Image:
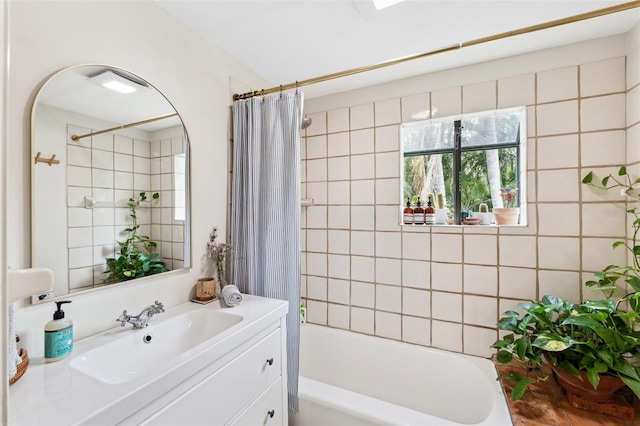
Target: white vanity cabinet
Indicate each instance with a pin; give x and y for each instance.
(246, 391)
(193, 365)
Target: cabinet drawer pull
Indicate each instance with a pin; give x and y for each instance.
(270, 362)
(271, 413)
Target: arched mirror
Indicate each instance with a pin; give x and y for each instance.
(110, 180)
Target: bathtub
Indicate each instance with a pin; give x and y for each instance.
(349, 379)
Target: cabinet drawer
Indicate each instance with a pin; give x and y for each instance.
(265, 411)
(224, 393)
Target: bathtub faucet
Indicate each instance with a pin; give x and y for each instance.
(142, 319)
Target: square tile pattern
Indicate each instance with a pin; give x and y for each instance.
(111, 169)
(446, 286)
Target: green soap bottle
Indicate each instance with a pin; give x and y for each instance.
(58, 335)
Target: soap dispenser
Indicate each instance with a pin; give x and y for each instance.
(58, 335)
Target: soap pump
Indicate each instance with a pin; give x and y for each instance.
(58, 335)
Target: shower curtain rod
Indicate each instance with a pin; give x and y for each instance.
(125, 126)
(525, 30)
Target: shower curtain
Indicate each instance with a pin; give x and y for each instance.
(265, 209)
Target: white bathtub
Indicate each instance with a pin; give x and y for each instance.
(350, 379)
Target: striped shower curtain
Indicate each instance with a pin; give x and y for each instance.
(265, 213)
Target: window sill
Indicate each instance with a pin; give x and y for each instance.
(492, 225)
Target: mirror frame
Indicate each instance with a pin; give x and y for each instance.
(187, 250)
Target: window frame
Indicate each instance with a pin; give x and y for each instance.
(458, 150)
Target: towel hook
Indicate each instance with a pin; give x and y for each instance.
(50, 161)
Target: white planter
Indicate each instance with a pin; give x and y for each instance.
(485, 217)
(441, 216)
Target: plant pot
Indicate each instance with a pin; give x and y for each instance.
(485, 217)
(206, 289)
(506, 215)
(583, 388)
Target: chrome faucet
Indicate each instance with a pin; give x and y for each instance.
(141, 320)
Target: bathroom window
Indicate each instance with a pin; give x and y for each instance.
(463, 163)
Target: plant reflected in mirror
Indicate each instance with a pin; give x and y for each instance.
(137, 257)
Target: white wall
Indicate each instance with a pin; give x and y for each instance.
(198, 79)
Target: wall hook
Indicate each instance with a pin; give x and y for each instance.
(50, 161)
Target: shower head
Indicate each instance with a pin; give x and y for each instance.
(306, 122)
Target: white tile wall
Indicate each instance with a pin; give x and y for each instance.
(388, 325)
(338, 291)
(362, 243)
(558, 152)
(516, 91)
(416, 330)
(479, 97)
(603, 113)
(446, 276)
(315, 190)
(338, 144)
(602, 148)
(481, 280)
(446, 287)
(557, 118)
(362, 167)
(416, 107)
(387, 138)
(338, 316)
(338, 168)
(362, 192)
(446, 335)
(559, 253)
(416, 273)
(389, 298)
(557, 85)
(361, 116)
(387, 112)
(388, 244)
(416, 302)
(363, 294)
(600, 78)
(339, 266)
(362, 320)
(446, 102)
(388, 271)
(338, 120)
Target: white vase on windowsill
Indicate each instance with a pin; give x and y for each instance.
(506, 215)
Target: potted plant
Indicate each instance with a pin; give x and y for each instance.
(218, 252)
(484, 214)
(507, 215)
(589, 343)
(136, 258)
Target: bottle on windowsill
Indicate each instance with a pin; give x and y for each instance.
(407, 216)
(429, 213)
(418, 214)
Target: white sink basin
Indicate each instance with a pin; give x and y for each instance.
(132, 353)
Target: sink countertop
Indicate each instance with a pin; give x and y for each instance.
(57, 394)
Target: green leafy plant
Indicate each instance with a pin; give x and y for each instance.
(136, 258)
(599, 337)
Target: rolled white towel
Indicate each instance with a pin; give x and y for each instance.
(231, 295)
(13, 359)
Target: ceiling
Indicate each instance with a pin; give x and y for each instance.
(288, 41)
